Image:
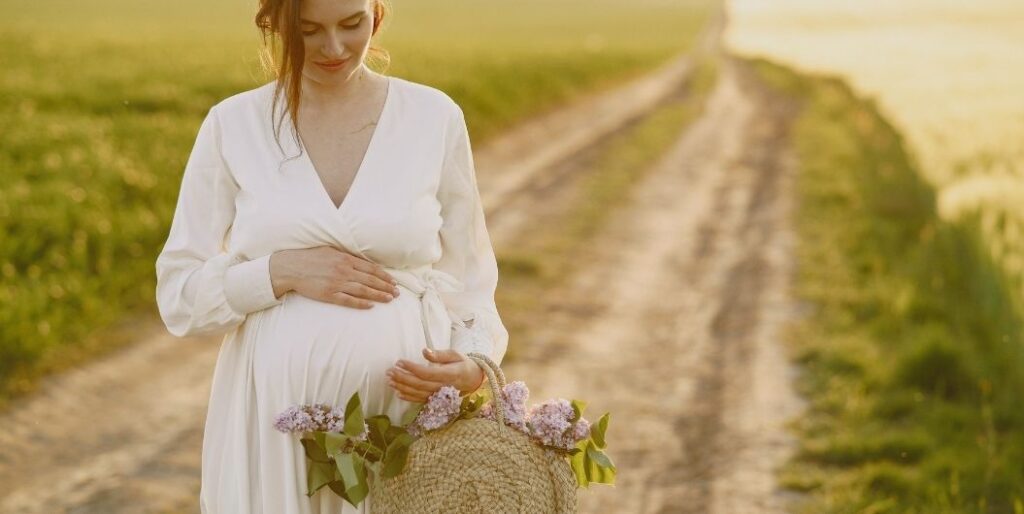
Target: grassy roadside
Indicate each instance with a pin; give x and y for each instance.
(543, 262)
(912, 347)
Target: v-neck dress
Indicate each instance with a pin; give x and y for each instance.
(413, 207)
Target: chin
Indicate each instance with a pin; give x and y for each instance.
(321, 76)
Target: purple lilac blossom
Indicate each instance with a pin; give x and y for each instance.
(295, 419)
(581, 430)
(442, 407)
(514, 396)
(551, 424)
(319, 417)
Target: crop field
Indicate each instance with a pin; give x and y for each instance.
(102, 101)
(948, 74)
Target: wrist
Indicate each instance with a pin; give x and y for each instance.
(280, 274)
(474, 377)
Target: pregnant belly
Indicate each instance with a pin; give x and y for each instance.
(307, 351)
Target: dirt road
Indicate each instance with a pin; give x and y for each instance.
(672, 326)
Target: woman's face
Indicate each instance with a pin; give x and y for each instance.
(336, 35)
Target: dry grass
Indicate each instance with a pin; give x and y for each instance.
(950, 76)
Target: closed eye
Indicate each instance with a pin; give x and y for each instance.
(353, 25)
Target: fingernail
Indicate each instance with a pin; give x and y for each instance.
(389, 297)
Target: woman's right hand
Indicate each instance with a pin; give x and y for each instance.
(331, 275)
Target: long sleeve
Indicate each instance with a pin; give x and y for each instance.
(201, 287)
(467, 252)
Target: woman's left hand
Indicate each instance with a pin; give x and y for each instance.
(416, 382)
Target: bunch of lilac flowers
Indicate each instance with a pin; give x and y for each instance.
(551, 424)
(319, 417)
(441, 408)
(514, 396)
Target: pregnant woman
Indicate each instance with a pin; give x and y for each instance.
(330, 226)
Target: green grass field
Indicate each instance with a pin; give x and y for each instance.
(912, 352)
(103, 99)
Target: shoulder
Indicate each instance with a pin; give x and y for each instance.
(426, 97)
(246, 103)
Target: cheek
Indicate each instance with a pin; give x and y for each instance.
(360, 39)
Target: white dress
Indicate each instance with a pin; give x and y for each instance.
(413, 207)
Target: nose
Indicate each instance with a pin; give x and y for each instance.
(333, 47)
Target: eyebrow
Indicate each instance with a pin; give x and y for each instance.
(352, 17)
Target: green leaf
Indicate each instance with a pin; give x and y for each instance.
(339, 489)
(379, 426)
(578, 464)
(361, 489)
(354, 416)
(471, 404)
(394, 433)
(593, 467)
(577, 409)
(597, 431)
(318, 474)
(334, 442)
(410, 415)
(600, 457)
(347, 468)
(601, 475)
(352, 486)
(396, 456)
(314, 450)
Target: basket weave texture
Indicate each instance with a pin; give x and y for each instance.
(479, 466)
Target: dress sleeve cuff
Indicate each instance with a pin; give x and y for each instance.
(247, 286)
(472, 339)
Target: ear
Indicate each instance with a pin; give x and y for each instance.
(378, 16)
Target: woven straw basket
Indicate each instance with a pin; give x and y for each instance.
(479, 466)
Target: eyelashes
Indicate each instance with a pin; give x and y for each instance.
(351, 26)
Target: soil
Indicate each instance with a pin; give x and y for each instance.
(675, 324)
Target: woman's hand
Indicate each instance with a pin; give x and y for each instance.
(328, 274)
(416, 382)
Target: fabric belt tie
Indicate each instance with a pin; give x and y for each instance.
(427, 285)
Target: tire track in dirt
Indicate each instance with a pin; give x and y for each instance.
(685, 295)
(123, 434)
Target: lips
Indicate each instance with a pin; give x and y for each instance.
(331, 65)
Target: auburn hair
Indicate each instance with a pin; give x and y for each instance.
(284, 53)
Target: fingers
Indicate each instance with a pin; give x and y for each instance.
(363, 291)
(348, 300)
(410, 387)
(374, 269)
(443, 373)
(442, 356)
(376, 283)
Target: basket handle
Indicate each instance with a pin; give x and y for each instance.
(496, 381)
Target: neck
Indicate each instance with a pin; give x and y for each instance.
(317, 93)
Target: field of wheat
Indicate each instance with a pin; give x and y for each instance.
(949, 75)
